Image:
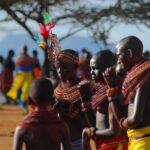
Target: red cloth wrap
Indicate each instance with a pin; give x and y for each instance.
(111, 144)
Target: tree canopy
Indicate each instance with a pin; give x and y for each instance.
(98, 17)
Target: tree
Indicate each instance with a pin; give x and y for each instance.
(98, 17)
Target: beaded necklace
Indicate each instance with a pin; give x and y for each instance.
(71, 94)
(99, 94)
(134, 79)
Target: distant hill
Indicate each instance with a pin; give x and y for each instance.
(14, 41)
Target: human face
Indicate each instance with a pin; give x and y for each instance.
(65, 71)
(123, 59)
(96, 71)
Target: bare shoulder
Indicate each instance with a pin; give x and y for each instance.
(146, 86)
(19, 131)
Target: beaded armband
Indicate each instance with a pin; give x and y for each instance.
(111, 92)
(121, 124)
(94, 133)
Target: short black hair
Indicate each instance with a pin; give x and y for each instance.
(73, 52)
(35, 52)
(41, 91)
(1, 58)
(11, 53)
(131, 42)
(105, 58)
(146, 54)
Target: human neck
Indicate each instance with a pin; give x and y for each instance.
(69, 82)
(136, 61)
(43, 108)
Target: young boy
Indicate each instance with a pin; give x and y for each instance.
(41, 129)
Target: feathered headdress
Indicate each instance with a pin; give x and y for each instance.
(46, 34)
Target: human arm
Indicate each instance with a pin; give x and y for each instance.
(62, 107)
(135, 117)
(85, 90)
(66, 140)
(18, 140)
(119, 110)
(111, 131)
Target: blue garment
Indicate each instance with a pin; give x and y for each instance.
(26, 68)
(77, 145)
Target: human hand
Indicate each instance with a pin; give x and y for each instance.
(84, 87)
(110, 77)
(62, 107)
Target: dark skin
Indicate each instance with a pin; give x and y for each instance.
(129, 53)
(45, 135)
(68, 78)
(106, 122)
(48, 137)
(140, 108)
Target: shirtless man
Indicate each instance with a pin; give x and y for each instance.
(42, 129)
(20, 88)
(136, 92)
(106, 134)
(68, 97)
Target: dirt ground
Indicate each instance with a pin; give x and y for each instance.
(10, 116)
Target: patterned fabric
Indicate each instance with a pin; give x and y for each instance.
(98, 94)
(138, 75)
(67, 58)
(70, 94)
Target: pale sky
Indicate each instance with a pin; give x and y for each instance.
(118, 32)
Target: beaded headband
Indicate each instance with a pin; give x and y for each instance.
(67, 58)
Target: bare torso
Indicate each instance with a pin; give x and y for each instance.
(139, 109)
(102, 116)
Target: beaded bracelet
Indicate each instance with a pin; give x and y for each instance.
(94, 132)
(121, 124)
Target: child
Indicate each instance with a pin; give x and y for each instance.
(41, 129)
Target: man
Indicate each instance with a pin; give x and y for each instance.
(135, 92)
(106, 134)
(84, 64)
(23, 78)
(36, 64)
(42, 129)
(68, 96)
